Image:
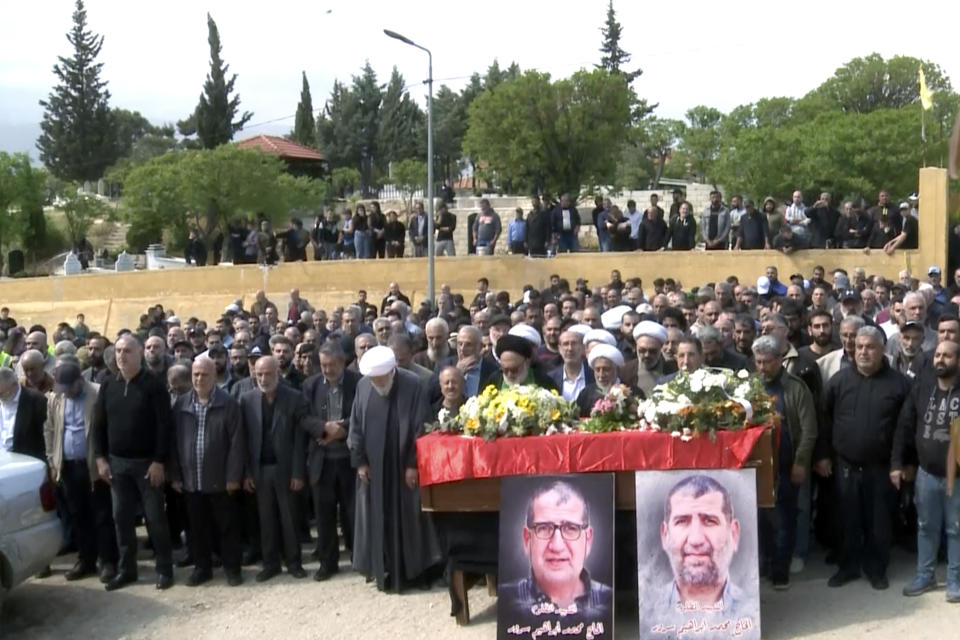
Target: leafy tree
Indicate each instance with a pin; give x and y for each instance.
(865, 84)
(305, 126)
(213, 120)
(409, 175)
(403, 132)
(208, 189)
(32, 190)
(554, 136)
(80, 209)
(701, 141)
(344, 181)
(22, 190)
(131, 126)
(78, 137)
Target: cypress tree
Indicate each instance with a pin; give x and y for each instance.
(78, 137)
(213, 121)
(305, 126)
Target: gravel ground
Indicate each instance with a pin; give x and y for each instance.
(346, 607)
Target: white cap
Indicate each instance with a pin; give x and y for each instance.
(378, 361)
(613, 318)
(580, 329)
(528, 333)
(232, 307)
(644, 307)
(599, 335)
(605, 351)
(763, 285)
(173, 320)
(651, 329)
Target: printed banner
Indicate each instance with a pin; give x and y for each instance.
(556, 557)
(697, 554)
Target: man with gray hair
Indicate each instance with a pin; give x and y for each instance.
(438, 344)
(795, 405)
(915, 309)
(842, 358)
(861, 405)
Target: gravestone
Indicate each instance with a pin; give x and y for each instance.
(125, 262)
(71, 266)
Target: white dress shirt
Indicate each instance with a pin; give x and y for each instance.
(8, 420)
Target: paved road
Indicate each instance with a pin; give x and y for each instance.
(346, 607)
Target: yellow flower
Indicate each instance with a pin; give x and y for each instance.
(555, 414)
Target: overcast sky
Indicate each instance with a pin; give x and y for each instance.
(156, 56)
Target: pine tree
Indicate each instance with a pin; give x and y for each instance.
(77, 140)
(305, 126)
(213, 121)
(614, 58)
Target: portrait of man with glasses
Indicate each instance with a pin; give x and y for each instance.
(563, 528)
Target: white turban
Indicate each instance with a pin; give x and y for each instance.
(644, 307)
(613, 318)
(605, 351)
(378, 361)
(580, 329)
(599, 335)
(528, 333)
(652, 329)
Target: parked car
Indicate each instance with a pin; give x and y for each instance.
(30, 532)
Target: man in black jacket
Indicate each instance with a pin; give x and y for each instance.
(332, 479)
(207, 466)
(539, 227)
(274, 419)
(923, 434)
(30, 410)
(132, 427)
(861, 405)
(565, 220)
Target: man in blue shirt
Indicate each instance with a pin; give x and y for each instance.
(517, 234)
(86, 497)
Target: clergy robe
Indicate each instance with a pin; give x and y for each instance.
(391, 534)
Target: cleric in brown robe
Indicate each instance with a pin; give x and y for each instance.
(394, 543)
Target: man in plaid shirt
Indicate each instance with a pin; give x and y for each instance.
(207, 466)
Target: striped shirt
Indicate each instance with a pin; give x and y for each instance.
(201, 410)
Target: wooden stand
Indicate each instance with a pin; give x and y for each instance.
(483, 495)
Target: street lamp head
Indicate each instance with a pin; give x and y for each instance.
(397, 36)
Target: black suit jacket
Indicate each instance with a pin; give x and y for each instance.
(316, 391)
(290, 417)
(557, 376)
(28, 426)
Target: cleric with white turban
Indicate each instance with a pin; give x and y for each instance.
(527, 332)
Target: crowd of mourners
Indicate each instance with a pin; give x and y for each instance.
(550, 227)
(233, 435)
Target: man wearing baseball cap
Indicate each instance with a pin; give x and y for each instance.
(66, 434)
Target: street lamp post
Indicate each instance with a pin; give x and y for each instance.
(431, 251)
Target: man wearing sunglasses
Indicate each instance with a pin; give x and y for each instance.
(557, 538)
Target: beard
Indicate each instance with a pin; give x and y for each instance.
(945, 372)
(384, 391)
(823, 340)
(436, 355)
(703, 574)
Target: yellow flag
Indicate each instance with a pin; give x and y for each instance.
(926, 96)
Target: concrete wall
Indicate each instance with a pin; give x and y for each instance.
(112, 301)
